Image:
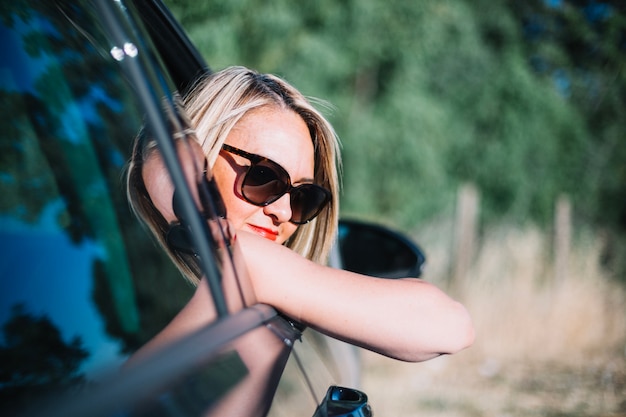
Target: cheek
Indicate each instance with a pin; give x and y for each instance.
(288, 229)
(237, 210)
(223, 179)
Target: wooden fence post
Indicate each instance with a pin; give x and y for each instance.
(466, 220)
(562, 237)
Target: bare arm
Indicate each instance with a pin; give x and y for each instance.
(407, 319)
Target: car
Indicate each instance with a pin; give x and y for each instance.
(83, 285)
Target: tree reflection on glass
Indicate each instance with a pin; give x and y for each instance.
(64, 141)
(36, 360)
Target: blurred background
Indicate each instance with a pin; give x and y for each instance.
(492, 133)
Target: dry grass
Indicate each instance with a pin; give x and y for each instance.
(543, 348)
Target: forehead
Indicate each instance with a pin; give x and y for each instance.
(278, 134)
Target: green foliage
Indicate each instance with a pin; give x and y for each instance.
(431, 94)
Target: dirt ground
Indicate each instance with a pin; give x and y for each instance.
(462, 386)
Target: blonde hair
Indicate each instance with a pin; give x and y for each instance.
(214, 105)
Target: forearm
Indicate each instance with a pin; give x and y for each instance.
(200, 310)
(407, 319)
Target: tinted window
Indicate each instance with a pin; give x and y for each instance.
(81, 283)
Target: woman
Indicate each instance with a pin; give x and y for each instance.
(249, 124)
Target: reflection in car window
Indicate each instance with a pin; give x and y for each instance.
(77, 271)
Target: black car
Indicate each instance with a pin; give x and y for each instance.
(83, 285)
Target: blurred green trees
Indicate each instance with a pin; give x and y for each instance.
(525, 99)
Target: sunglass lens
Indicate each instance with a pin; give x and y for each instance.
(263, 184)
(307, 201)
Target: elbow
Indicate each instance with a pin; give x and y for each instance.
(463, 334)
(450, 335)
(457, 331)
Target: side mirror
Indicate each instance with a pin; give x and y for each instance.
(375, 250)
(344, 402)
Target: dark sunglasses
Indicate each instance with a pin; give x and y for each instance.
(265, 182)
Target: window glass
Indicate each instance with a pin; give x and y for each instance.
(82, 284)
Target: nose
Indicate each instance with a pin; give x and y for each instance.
(280, 209)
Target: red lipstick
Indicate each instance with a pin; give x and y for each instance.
(266, 233)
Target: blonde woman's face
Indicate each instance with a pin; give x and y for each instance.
(282, 136)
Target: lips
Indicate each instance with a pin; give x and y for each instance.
(266, 233)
